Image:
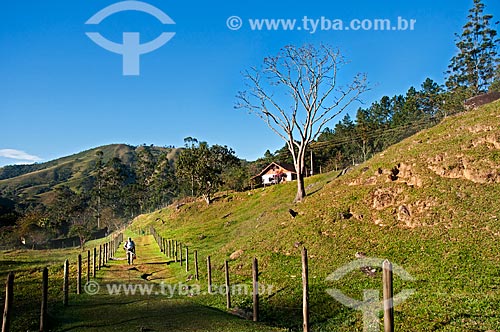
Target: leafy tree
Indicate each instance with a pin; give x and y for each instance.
(188, 159)
(383, 123)
(474, 65)
(98, 188)
(202, 165)
(8, 213)
(363, 129)
(144, 171)
(236, 177)
(163, 182)
(296, 93)
(115, 179)
(73, 209)
(34, 228)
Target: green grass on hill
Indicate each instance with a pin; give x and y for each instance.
(37, 182)
(428, 204)
(28, 266)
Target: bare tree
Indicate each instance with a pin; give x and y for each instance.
(297, 93)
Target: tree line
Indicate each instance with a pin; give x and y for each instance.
(297, 91)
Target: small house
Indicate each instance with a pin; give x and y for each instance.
(276, 173)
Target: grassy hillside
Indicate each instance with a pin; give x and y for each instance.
(428, 204)
(36, 182)
(27, 266)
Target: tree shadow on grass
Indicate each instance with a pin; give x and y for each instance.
(154, 313)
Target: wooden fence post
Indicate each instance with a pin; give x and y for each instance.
(9, 296)
(187, 259)
(305, 291)
(228, 290)
(43, 309)
(66, 283)
(255, 276)
(209, 275)
(196, 275)
(88, 265)
(168, 249)
(180, 253)
(388, 294)
(100, 256)
(93, 262)
(79, 276)
(175, 251)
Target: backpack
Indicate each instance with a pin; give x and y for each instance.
(130, 245)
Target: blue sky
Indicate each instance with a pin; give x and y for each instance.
(61, 93)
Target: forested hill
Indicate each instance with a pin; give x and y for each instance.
(36, 182)
(124, 152)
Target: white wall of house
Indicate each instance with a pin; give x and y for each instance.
(267, 178)
(270, 178)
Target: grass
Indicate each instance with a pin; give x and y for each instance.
(135, 312)
(154, 312)
(448, 243)
(27, 266)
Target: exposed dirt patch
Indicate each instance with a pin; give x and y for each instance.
(462, 167)
(491, 141)
(385, 197)
(479, 128)
(409, 176)
(236, 254)
(411, 214)
(402, 172)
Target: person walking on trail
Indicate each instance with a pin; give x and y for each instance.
(130, 249)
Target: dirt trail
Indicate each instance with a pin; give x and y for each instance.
(155, 311)
(151, 265)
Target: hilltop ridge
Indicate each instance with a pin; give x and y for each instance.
(37, 181)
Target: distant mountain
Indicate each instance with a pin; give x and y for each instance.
(36, 182)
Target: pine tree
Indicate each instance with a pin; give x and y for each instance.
(430, 98)
(495, 86)
(474, 65)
